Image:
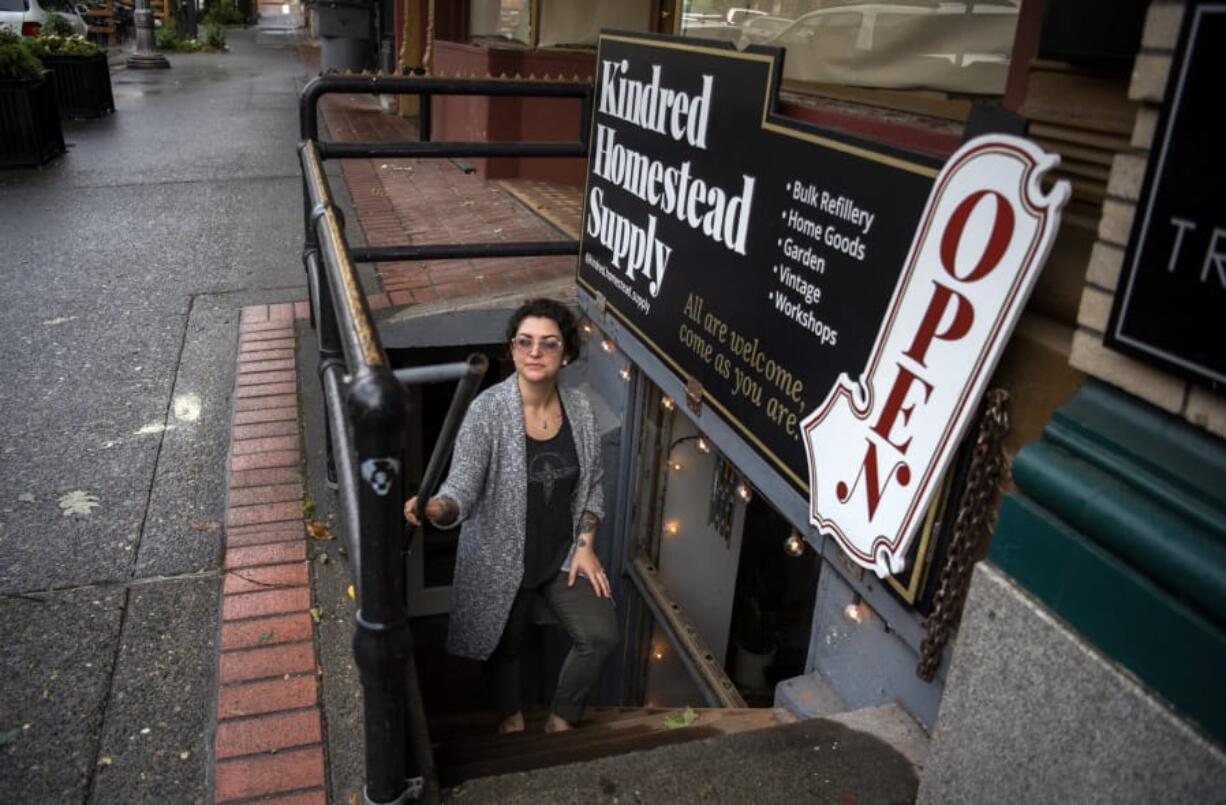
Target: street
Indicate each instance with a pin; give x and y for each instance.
(126, 264)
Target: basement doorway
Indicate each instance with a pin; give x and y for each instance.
(729, 590)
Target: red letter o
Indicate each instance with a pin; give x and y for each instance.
(1002, 233)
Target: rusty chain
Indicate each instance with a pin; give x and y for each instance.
(976, 519)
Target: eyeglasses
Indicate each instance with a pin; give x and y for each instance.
(548, 345)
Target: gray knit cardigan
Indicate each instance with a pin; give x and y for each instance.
(488, 481)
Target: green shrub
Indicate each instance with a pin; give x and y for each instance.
(166, 38)
(224, 12)
(214, 37)
(17, 63)
(9, 37)
(58, 25)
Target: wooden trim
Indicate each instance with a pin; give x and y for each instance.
(706, 669)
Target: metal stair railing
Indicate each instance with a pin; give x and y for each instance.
(366, 405)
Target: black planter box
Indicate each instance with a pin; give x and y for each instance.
(30, 132)
(82, 84)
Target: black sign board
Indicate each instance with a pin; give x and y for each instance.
(755, 255)
(1172, 292)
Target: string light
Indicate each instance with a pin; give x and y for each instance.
(667, 403)
(672, 527)
(794, 545)
(658, 654)
(677, 466)
(703, 445)
(624, 372)
(857, 611)
(587, 327)
(744, 492)
(608, 346)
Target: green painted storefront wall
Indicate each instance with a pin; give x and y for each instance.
(1119, 528)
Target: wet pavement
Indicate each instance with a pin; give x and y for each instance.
(127, 261)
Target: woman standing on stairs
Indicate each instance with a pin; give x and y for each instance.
(525, 482)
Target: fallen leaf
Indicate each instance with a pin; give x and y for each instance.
(354, 799)
(352, 595)
(316, 614)
(186, 407)
(207, 525)
(60, 320)
(105, 760)
(322, 558)
(26, 497)
(467, 203)
(318, 530)
(683, 719)
(265, 636)
(185, 754)
(78, 502)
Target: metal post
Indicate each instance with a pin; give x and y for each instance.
(382, 643)
(145, 57)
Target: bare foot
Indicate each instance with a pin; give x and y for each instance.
(513, 723)
(557, 724)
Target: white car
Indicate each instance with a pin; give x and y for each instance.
(27, 17)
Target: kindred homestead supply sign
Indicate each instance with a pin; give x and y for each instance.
(840, 303)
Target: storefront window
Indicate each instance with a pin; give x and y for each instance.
(951, 47)
(560, 23)
(506, 21)
(577, 23)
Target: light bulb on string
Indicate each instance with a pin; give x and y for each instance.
(677, 466)
(587, 327)
(703, 445)
(624, 372)
(608, 346)
(667, 403)
(744, 492)
(794, 545)
(857, 611)
(672, 527)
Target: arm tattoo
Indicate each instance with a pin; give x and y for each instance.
(451, 510)
(587, 528)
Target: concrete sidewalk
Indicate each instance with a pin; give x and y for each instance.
(128, 261)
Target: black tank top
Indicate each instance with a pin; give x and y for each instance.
(553, 474)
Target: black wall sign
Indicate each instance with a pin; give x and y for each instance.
(750, 252)
(1172, 293)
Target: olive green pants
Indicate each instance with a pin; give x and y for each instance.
(592, 626)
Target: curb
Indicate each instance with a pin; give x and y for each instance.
(269, 739)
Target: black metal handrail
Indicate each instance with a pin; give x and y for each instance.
(365, 403)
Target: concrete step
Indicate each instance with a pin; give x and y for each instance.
(865, 756)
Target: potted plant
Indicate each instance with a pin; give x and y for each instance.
(81, 74)
(30, 132)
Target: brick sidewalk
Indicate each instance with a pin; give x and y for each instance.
(269, 732)
(434, 201)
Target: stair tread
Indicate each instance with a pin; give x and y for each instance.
(478, 755)
(486, 721)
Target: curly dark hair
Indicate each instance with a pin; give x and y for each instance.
(557, 312)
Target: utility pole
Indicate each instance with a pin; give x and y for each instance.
(145, 57)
